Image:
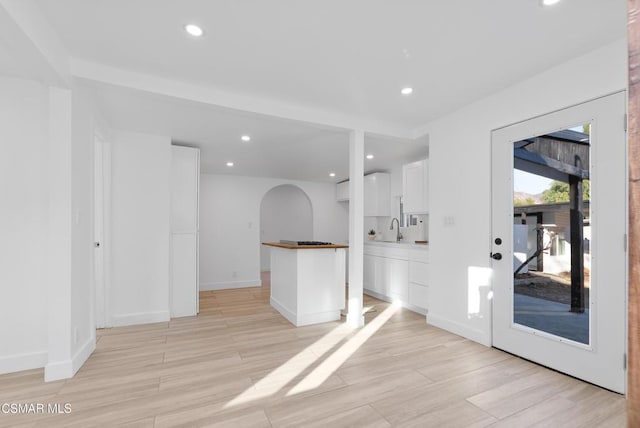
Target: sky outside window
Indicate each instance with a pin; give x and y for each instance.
(529, 183)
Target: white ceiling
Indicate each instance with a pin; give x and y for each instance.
(278, 148)
(349, 58)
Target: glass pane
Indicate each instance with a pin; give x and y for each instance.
(552, 233)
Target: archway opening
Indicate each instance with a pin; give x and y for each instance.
(285, 213)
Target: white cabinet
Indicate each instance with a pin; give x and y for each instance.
(377, 194)
(419, 296)
(386, 276)
(419, 280)
(375, 275)
(342, 191)
(185, 176)
(397, 274)
(415, 187)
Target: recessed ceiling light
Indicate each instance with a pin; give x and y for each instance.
(245, 138)
(332, 174)
(369, 156)
(549, 2)
(194, 30)
(406, 91)
(229, 163)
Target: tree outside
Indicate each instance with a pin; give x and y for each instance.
(524, 202)
(559, 192)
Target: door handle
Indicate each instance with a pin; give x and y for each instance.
(496, 256)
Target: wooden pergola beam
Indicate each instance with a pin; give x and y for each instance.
(545, 161)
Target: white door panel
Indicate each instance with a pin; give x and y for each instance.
(599, 359)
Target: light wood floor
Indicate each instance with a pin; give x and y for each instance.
(240, 364)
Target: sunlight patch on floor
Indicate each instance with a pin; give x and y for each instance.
(329, 366)
(280, 377)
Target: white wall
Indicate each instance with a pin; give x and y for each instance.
(285, 213)
(59, 236)
(140, 228)
(23, 224)
(70, 283)
(460, 172)
(230, 230)
(46, 225)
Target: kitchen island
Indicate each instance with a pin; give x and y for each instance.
(308, 281)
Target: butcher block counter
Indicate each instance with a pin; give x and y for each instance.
(308, 281)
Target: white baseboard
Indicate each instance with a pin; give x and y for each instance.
(58, 370)
(140, 318)
(402, 303)
(83, 354)
(304, 319)
(283, 310)
(376, 295)
(209, 286)
(20, 362)
(317, 318)
(68, 368)
(459, 329)
(416, 309)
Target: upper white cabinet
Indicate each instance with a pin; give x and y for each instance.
(185, 177)
(415, 188)
(377, 194)
(342, 191)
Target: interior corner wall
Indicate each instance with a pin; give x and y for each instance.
(460, 174)
(59, 234)
(140, 228)
(230, 225)
(23, 225)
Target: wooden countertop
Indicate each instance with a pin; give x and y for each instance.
(302, 247)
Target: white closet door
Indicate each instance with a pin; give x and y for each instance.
(185, 173)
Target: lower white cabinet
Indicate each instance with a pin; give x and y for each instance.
(372, 275)
(397, 274)
(418, 295)
(418, 283)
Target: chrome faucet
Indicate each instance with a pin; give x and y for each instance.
(398, 234)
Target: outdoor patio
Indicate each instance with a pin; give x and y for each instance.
(542, 302)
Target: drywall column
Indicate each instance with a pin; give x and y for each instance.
(59, 238)
(355, 317)
(633, 363)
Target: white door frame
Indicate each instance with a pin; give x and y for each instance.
(601, 361)
(102, 211)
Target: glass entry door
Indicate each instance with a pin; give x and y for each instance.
(559, 224)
